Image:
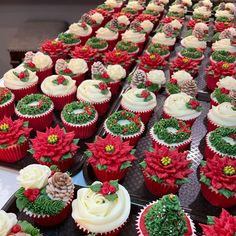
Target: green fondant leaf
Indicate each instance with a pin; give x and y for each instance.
(96, 187)
(125, 165)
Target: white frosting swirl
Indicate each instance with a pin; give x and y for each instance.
(137, 104)
(161, 38)
(77, 30)
(77, 66)
(175, 106)
(11, 81)
(94, 212)
(34, 176)
(227, 82)
(224, 13)
(177, 8)
(147, 26)
(181, 76)
(134, 37)
(106, 34)
(7, 221)
(97, 17)
(87, 91)
(193, 42)
(204, 11)
(50, 88)
(116, 72)
(176, 24)
(207, 3)
(42, 61)
(135, 5)
(123, 20)
(187, 2)
(201, 26)
(164, 2)
(230, 7)
(154, 7)
(113, 3)
(223, 115)
(224, 45)
(156, 77)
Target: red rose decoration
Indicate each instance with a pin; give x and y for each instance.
(225, 225)
(11, 131)
(191, 24)
(168, 165)
(117, 57)
(221, 172)
(151, 61)
(85, 52)
(111, 152)
(54, 48)
(53, 144)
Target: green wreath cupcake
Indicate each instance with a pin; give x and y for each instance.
(80, 117)
(37, 109)
(10, 226)
(171, 133)
(192, 53)
(159, 49)
(125, 124)
(96, 43)
(7, 105)
(69, 40)
(218, 56)
(44, 195)
(130, 47)
(221, 141)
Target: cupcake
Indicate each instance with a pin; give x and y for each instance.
(106, 8)
(125, 124)
(80, 117)
(152, 81)
(10, 226)
(165, 170)
(224, 45)
(144, 26)
(193, 54)
(182, 81)
(164, 217)
(206, 3)
(148, 62)
(200, 29)
(129, 12)
(176, 25)
(14, 137)
(40, 63)
(7, 105)
(177, 11)
(225, 91)
(139, 101)
(106, 14)
(226, 11)
(201, 14)
(80, 30)
(182, 107)
(110, 157)
(171, 133)
(225, 224)
(55, 49)
(21, 82)
(135, 5)
(119, 24)
(75, 68)
(60, 89)
(99, 44)
(112, 75)
(93, 19)
(59, 148)
(111, 36)
(222, 56)
(44, 196)
(226, 33)
(95, 92)
(69, 40)
(217, 176)
(161, 50)
(155, 7)
(221, 142)
(37, 109)
(129, 47)
(116, 4)
(194, 41)
(102, 208)
(222, 115)
(217, 71)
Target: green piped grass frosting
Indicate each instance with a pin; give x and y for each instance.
(158, 49)
(129, 47)
(97, 43)
(5, 95)
(192, 53)
(223, 56)
(68, 38)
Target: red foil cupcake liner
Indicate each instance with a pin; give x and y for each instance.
(20, 93)
(79, 79)
(214, 103)
(114, 87)
(8, 108)
(211, 126)
(81, 131)
(159, 189)
(111, 44)
(217, 199)
(211, 82)
(44, 74)
(14, 153)
(84, 39)
(38, 122)
(104, 175)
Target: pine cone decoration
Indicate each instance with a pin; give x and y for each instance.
(85, 18)
(168, 30)
(226, 34)
(98, 68)
(189, 87)
(28, 57)
(60, 65)
(60, 187)
(221, 7)
(114, 24)
(139, 77)
(198, 33)
(232, 95)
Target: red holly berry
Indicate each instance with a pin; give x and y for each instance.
(224, 91)
(145, 94)
(173, 81)
(83, 24)
(35, 191)
(104, 190)
(105, 75)
(125, 130)
(16, 229)
(148, 83)
(102, 86)
(31, 64)
(32, 198)
(112, 189)
(106, 184)
(194, 104)
(22, 75)
(67, 71)
(31, 194)
(60, 79)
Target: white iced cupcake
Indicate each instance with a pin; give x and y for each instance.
(80, 29)
(106, 34)
(202, 12)
(97, 17)
(113, 3)
(224, 45)
(162, 39)
(155, 7)
(176, 24)
(133, 36)
(123, 20)
(135, 5)
(147, 26)
(193, 42)
(7, 221)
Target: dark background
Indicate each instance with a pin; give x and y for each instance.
(13, 13)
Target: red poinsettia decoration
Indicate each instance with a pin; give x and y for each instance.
(151, 62)
(143, 17)
(221, 69)
(169, 166)
(184, 63)
(221, 26)
(54, 48)
(221, 172)
(85, 52)
(116, 15)
(110, 153)
(54, 145)
(11, 131)
(117, 57)
(225, 225)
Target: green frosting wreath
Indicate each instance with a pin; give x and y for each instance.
(192, 53)
(175, 14)
(129, 10)
(27, 228)
(223, 56)
(5, 95)
(105, 7)
(129, 47)
(68, 38)
(44, 105)
(150, 12)
(224, 19)
(97, 43)
(157, 49)
(200, 17)
(221, 97)
(216, 140)
(114, 127)
(160, 130)
(80, 118)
